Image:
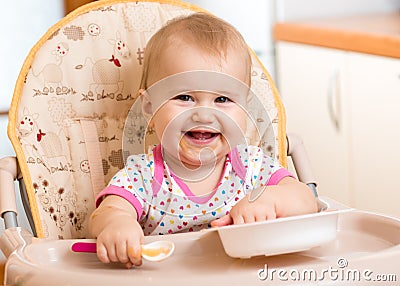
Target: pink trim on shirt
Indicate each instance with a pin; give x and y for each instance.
(121, 192)
(159, 176)
(185, 189)
(237, 164)
(278, 176)
(158, 169)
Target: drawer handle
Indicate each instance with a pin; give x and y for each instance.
(333, 100)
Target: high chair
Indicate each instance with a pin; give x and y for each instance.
(71, 119)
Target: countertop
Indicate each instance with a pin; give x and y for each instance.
(377, 34)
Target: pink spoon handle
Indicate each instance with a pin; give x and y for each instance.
(84, 247)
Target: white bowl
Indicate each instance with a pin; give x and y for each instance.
(279, 236)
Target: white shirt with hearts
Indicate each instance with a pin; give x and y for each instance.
(165, 204)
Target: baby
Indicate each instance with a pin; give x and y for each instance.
(194, 92)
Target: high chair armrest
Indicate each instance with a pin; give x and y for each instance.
(298, 153)
(8, 205)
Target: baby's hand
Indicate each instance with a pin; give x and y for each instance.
(248, 210)
(288, 198)
(120, 241)
(119, 234)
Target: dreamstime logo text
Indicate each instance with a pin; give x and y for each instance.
(339, 273)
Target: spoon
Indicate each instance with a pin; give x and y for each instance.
(154, 251)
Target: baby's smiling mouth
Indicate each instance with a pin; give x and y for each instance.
(201, 135)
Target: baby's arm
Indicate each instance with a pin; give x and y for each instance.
(289, 197)
(119, 235)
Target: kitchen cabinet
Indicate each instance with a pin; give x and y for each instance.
(346, 107)
(373, 96)
(306, 78)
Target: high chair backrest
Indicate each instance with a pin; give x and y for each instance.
(72, 98)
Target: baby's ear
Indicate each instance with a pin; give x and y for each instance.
(147, 107)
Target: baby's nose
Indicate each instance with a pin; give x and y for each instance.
(203, 115)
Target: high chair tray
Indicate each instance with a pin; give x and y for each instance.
(365, 243)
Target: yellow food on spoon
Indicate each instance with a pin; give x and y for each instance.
(155, 251)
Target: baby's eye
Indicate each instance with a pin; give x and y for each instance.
(222, 99)
(184, 97)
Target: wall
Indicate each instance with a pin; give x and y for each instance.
(253, 19)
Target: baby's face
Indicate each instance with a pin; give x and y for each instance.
(199, 104)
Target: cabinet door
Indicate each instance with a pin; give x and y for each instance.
(374, 86)
(310, 83)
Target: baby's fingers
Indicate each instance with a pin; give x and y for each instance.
(238, 219)
(222, 221)
(102, 253)
(249, 219)
(122, 252)
(135, 254)
(269, 214)
(128, 265)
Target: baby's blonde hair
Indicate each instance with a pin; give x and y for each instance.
(208, 33)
